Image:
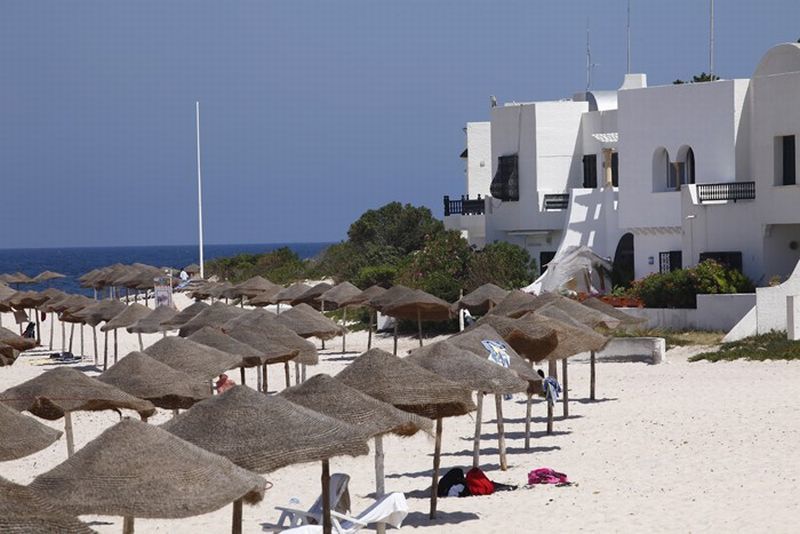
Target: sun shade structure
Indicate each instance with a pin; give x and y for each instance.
(151, 323)
(147, 378)
(418, 305)
(95, 314)
(363, 300)
(339, 295)
(7, 337)
(516, 304)
(411, 388)
(264, 433)
(215, 315)
(22, 511)
(138, 470)
(195, 359)
(8, 354)
(582, 314)
(22, 435)
(312, 296)
(482, 299)
(306, 322)
(255, 286)
(531, 340)
(217, 339)
(264, 298)
(372, 417)
(477, 374)
(47, 275)
(127, 317)
(59, 392)
(290, 293)
(183, 316)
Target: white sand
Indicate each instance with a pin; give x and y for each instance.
(683, 447)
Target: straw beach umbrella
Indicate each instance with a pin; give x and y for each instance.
(127, 317)
(147, 378)
(215, 315)
(264, 433)
(517, 303)
(411, 388)
(217, 339)
(8, 354)
(308, 322)
(23, 510)
(482, 299)
(372, 417)
(255, 286)
(184, 316)
(197, 360)
(151, 323)
(290, 293)
(16, 341)
(271, 351)
(138, 470)
(104, 310)
(59, 392)
(28, 436)
(311, 296)
(339, 295)
(418, 305)
(46, 276)
(531, 340)
(476, 374)
(363, 299)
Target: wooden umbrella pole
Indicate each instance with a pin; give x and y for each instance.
(105, 350)
(476, 447)
(265, 370)
(369, 333)
(52, 326)
(63, 336)
(326, 497)
(296, 373)
(552, 370)
(501, 437)
(38, 326)
(236, 527)
(94, 338)
(322, 310)
(592, 375)
(127, 525)
(286, 374)
(141, 344)
(303, 368)
(68, 433)
(565, 389)
(528, 422)
(278, 310)
(241, 374)
(82, 351)
(71, 335)
(116, 351)
(394, 351)
(437, 453)
(419, 325)
(344, 330)
(259, 378)
(380, 486)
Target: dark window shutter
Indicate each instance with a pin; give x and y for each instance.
(505, 184)
(789, 171)
(615, 169)
(590, 171)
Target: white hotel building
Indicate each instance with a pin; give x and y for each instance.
(655, 178)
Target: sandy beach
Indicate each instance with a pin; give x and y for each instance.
(675, 447)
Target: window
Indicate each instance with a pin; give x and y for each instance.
(670, 261)
(785, 167)
(662, 171)
(732, 260)
(505, 184)
(689, 177)
(590, 171)
(615, 169)
(544, 259)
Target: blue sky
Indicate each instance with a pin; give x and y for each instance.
(312, 111)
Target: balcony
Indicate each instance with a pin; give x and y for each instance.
(556, 201)
(726, 191)
(463, 206)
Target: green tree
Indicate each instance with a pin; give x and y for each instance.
(502, 264)
(441, 267)
(398, 226)
(699, 78)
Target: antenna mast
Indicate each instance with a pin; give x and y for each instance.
(588, 59)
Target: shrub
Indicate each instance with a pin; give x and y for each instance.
(679, 288)
(281, 265)
(380, 275)
(440, 268)
(503, 264)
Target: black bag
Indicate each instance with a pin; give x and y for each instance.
(452, 478)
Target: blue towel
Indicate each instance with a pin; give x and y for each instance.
(552, 389)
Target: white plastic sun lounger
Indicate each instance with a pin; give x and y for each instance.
(293, 517)
(391, 509)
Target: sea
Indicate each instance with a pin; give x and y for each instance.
(73, 262)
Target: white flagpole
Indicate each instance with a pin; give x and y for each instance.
(711, 43)
(199, 191)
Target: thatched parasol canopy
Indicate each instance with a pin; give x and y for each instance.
(406, 385)
(270, 351)
(395, 292)
(462, 367)
(192, 268)
(625, 319)
(138, 470)
(9, 338)
(215, 315)
(482, 299)
(105, 310)
(531, 340)
(340, 294)
(371, 416)
(517, 303)
(197, 360)
(582, 314)
(573, 338)
(255, 286)
(147, 378)
(219, 340)
(290, 293)
(265, 323)
(8, 354)
(65, 389)
(265, 298)
(417, 304)
(151, 323)
(130, 315)
(47, 275)
(22, 435)
(26, 299)
(312, 296)
(308, 322)
(23, 511)
(184, 316)
(265, 432)
(364, 297)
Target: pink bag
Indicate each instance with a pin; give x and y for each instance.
(545, 475)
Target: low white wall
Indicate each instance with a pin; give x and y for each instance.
(665, 318)
(714, 312)
(648, 349)
(771, 309)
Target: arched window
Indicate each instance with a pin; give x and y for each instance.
(690, 177)
(684, 167)
(664, 178)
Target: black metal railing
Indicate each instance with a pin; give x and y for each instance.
(556, 201)
(726, 191)
(463, 206)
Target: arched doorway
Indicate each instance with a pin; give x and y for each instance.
(623, 267)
